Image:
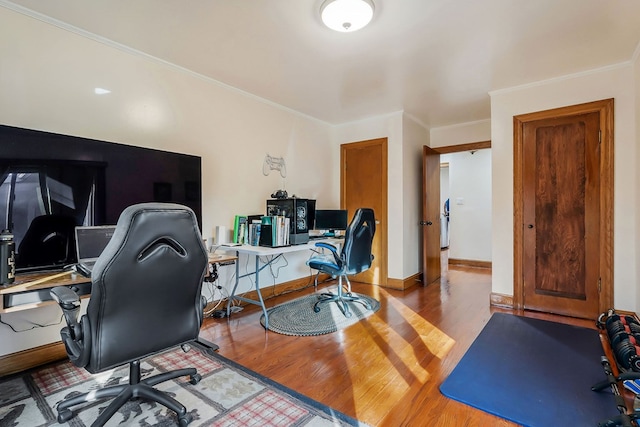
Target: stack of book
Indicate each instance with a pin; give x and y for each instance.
(254, 232)
(240, 230)
(274, 231)
(246, 230)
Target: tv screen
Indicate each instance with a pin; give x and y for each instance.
(331, 220)
(50, 183)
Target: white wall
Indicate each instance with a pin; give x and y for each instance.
(462, 133)
(444, 180)
(469, 205)
(414, 137)
(613, 82)
(405, 140)
(47, 77)
(390, 127)
(470, 179)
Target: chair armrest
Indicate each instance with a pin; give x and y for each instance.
(69, 302)
(76, 336)
(65, 297)
(333, 250)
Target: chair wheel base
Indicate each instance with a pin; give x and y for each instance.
(64, 416)
(195, 379)
(185, 420)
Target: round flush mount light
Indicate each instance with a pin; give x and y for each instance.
(346, 15)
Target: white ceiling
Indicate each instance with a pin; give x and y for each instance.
(435, 59)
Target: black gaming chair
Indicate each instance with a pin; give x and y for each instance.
(354, 258)
(145, 298)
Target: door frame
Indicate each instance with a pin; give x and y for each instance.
(605, 109)
(479, 145)
(382, 217)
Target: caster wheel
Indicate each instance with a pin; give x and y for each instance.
(195, 379)
(185, 420)
(64, 416)
(316, 309)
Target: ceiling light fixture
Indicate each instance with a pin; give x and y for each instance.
(100, 91)
(346, 15)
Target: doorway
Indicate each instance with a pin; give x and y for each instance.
(435, 206)
(563, 210)
(363, 183)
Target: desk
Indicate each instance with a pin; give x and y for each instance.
(31, 290)
(257, 252)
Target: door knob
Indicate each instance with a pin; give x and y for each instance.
(426, 223)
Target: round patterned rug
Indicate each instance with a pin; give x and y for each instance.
(298, 318)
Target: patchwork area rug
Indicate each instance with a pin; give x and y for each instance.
(227, 395)
(297, 317)
(533, 372)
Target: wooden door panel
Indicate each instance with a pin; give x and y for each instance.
(364, 184)
(431, 262)
(561, 215)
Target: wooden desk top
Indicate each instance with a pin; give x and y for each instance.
(34, 281)
(220, 258)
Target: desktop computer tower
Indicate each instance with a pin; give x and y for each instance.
(298, 211)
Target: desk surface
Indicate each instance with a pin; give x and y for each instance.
(34, 281)
(32, 287)
(277, 250)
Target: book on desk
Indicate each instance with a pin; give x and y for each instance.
(274, 231)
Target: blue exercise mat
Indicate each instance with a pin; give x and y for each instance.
(533, 372)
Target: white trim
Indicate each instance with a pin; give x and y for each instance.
(460, 125)
(134, 52)
(560, 78)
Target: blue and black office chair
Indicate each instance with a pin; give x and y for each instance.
(355, 257)
(145, 298)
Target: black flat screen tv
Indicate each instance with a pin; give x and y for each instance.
(50, 183)
(331, 220)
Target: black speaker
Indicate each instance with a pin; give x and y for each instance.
(297, 210)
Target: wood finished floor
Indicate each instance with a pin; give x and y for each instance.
(385, 370)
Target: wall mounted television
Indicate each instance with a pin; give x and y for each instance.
(50, 183)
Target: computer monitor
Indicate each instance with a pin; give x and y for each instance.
(331, 220)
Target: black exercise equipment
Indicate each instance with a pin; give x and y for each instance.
(623, 333)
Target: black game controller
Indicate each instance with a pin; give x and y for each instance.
(280, 194)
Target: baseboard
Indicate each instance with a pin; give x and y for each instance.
(501, 300)
(402, 284)
(470, 263)
(30, 358)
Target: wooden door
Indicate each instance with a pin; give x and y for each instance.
(566, 213)
(363, 181)
(431, 265)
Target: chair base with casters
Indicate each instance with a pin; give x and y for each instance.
(341, 298)
(136, 388)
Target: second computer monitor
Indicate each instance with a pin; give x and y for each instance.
(331, 220)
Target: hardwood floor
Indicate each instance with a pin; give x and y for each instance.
(386, 369)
